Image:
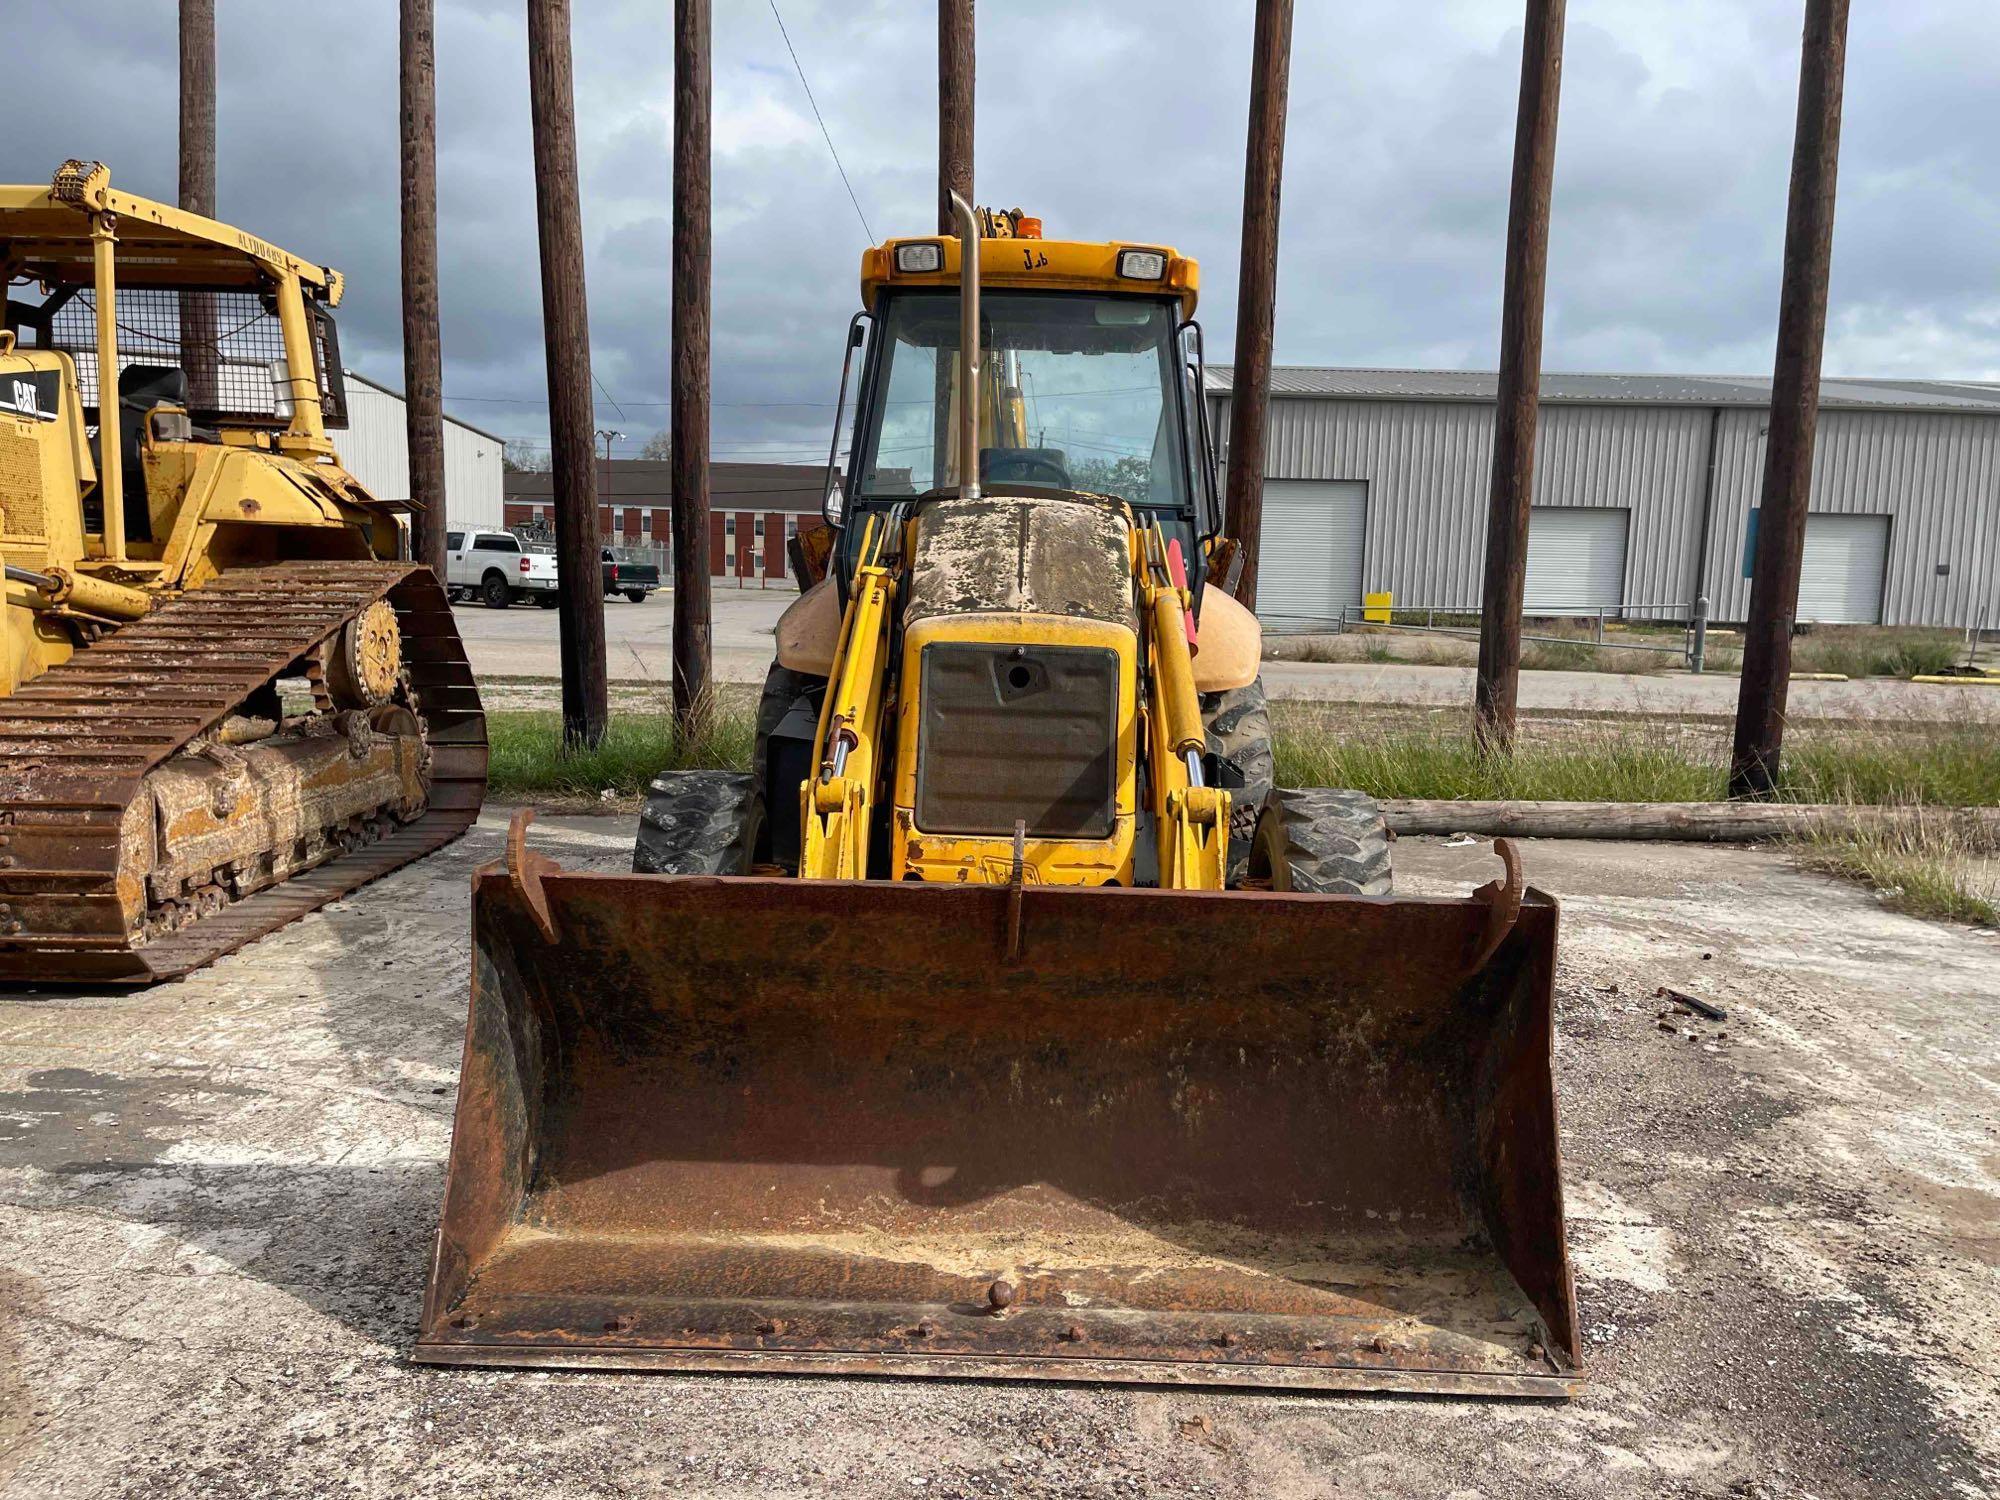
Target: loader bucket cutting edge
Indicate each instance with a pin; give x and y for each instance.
(1203, 1138)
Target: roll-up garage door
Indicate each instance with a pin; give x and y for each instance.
(1576, 559)
(1840, 577)
(1309, 567)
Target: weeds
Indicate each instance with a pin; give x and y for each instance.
(1432, 758)
(1577, 654)
(1844, 650)
(528, 755)
(1875, 651)
(1927, 869)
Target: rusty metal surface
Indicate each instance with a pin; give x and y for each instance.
(1229, 1138)
(106, 836)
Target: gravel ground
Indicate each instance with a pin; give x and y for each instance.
(217, 1198)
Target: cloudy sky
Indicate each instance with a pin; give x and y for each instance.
(1108, 119)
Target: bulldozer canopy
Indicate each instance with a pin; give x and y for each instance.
(47, 238)
(1233, 1138)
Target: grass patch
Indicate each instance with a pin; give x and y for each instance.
(528, 756)
(1576, 651)
(1605, 766)
(1951, 765)
(1876, 651)
(1927, 870)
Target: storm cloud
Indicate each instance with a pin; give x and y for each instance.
(1106, 120)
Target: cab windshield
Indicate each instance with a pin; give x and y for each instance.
(1077, 393)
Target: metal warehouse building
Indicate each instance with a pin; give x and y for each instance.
(1646, 494)
(376, 450)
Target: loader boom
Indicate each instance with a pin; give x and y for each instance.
(837, 803)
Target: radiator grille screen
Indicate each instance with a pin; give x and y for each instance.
(1018, 733)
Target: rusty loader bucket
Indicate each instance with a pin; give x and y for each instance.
(1234, 1138)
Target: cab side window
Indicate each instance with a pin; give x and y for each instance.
(454, 541)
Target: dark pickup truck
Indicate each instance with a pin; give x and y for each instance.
(634, 580)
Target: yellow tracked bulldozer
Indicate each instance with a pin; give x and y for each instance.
(223, 700)
(1004, 1019)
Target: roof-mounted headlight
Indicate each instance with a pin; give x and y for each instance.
(926, 255)
(1142, 265)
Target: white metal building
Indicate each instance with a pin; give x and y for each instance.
(1646, 495)
(376, 450)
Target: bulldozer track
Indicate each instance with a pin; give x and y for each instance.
(77, 743)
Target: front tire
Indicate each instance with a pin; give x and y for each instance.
(1319, 840)
(493, 589)
(1239, 761)
(699, 823)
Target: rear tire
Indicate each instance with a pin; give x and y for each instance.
(637, 596)
(1239, 760)
(493, 589)
(698, 823)
(547, 601)
(783, 690)
(1327, 842)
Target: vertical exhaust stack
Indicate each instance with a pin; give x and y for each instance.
(968, 348)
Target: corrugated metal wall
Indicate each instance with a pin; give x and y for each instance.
(375, 448)
(1427, 465)
(1936, 476)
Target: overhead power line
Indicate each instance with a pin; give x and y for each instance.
(822, 123)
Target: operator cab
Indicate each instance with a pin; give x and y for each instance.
(1090, 381)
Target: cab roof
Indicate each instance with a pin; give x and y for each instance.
(45, 233)
(1036, 265)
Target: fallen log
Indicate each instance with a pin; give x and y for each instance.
(1720, 822)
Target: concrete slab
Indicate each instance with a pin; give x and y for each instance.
(217, 1199)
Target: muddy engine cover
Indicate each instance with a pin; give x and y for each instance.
(1018, 716)
(1018, 556)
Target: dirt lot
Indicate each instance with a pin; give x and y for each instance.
(216, 1203)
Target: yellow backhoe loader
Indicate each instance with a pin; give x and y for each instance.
(223, 700)
(1004, 1019)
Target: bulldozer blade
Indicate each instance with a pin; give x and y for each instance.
(1231, 1138)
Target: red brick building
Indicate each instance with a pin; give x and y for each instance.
(753, 509)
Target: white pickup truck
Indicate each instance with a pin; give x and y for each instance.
(498, 568)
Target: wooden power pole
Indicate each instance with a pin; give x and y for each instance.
(423, 363)
(1257, 284)
(955, 80)
(198, 107)
(688, 410)
(197, 189)
(1499, 680)
(1788, 454)
(566, 333)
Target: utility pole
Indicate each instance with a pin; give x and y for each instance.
(197, 189)
(1497, 689)
(956, 71)
(198, 107)
(955, 81)
(566, 333)
(688, 409)
(1788, 455)
(1257, 284)
(423, 360)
